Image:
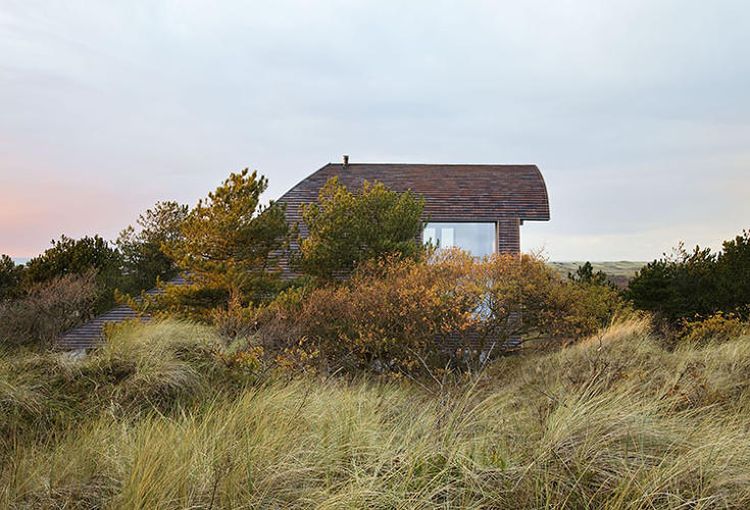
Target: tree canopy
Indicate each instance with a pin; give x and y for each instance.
(10, 278)
(346, 228)
(144, 247)
(230, 241)
(697, 283)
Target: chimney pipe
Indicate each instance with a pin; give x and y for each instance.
(346, 160)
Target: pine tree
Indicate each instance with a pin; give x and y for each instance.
(230, 240)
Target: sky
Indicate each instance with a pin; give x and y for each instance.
(637, 112)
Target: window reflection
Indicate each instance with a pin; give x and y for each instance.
(476, 238)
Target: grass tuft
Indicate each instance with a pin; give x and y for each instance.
(614, 422)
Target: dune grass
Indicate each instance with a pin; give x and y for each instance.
(613, 422)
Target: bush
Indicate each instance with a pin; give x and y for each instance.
(523, 298)
(78, 256)
(235, 321)
(719, 327)
(697, 283)
(143, 249)
(48, 309)
(10, 278)
(390, 314)
(733, 273)
(191, 301)
(398, 315)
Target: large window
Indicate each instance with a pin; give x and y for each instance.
(476, 238)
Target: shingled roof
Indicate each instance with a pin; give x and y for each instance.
(451, 192)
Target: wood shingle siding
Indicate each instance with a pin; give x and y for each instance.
(91, 333)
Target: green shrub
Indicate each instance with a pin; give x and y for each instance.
(79, 256)
(10, 278)
(346, 228)
(697, 283)
(143, 247)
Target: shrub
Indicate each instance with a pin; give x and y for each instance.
(143, 247)
(10, 278)
(48, 309)
(524, 299)
(719, 327)
(697, 283)
(733, 273)
(346, 228)
(405, 315)
(392, 314)
(235, 321)
(585, 274)
(191, 301)
(78, 256)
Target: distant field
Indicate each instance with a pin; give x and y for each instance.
(619, 272)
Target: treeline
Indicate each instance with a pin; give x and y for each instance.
(134, 261)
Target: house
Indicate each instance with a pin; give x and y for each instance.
(479, 208)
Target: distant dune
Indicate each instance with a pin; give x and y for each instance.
(619, 272)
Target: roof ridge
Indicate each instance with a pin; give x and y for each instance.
(436, 164)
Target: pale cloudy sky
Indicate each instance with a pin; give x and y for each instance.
(637, 112)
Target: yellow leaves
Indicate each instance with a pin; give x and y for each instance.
(718, 327)
(393, 312)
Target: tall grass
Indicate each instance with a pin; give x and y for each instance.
(614, 422)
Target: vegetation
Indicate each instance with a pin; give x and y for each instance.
(10, 278)
(618, 273)
(47, 309)
(346, 228)
(586, 275)
(69, 256)
(229, 245)
(402, 316)
(698, 283)
(165, 417)
(143, 248)
(384, 380)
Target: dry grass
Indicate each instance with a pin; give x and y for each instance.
(614, 422)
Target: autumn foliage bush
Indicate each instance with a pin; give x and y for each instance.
(719, 327)
(401, 315)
